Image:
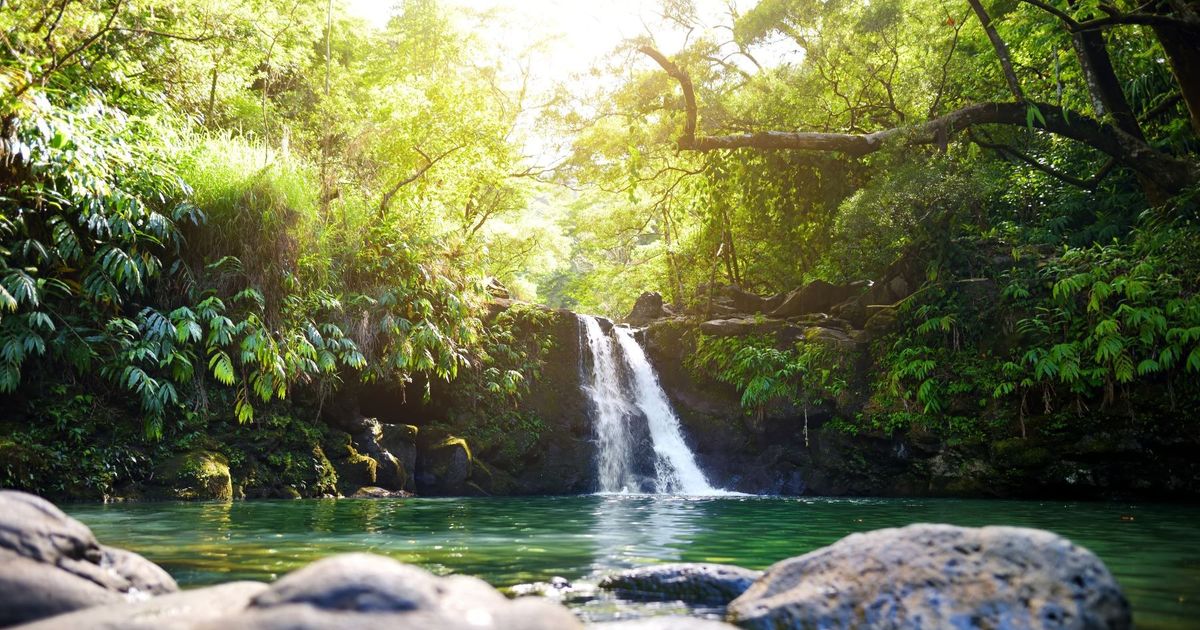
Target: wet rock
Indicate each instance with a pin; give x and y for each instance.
(647, 308)
(375, 492)
(714, 584)
(51, 563)
(556, 588)
(389, 472)
(925, 576)
(817, 296)
(401, 441)
(366, 591)
(175, 611)
(195, 476)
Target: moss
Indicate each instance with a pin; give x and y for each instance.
(1020, 453)
(198, 475)
(352, 470)
(456, 441)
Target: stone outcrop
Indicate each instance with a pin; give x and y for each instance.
(693, 583)
(648, 307)
(51, 563)
(938, 576)
(445, 467)
(817, 296)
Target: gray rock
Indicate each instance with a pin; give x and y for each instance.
(694, 583)
(51, 563)
(375, 492)
(815, 297)
(938, 576)
(647, 308)
(366, 591)
(445, 467)
(741, 326)
(34, 528)
(143, 575)
(31, 590)
(174, 611)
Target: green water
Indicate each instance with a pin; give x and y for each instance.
(1152, 549)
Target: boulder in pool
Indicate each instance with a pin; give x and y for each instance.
(51, 563)
(368, 591)
(938, 576)
(694, 583)
(663, 623)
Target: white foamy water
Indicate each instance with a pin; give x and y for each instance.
(621, 397)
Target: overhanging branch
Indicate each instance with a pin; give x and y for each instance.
(1170, 173)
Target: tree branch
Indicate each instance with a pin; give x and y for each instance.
(1170, 173)
(685, 82)
(1001, 49)
(429, 162)
(1087, 184)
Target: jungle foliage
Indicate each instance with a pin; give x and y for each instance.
(215, 208)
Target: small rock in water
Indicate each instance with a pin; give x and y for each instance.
(938, 576)
(696, 583)
(664, 623)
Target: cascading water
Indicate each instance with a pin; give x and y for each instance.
(618, 405)
(674, 464)
(615, 452)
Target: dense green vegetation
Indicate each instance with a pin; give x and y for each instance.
(215, 216)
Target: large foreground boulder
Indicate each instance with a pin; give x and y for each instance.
(693, 583)
(51, 563)
(176, 611)
(366, 591)
(938, 576)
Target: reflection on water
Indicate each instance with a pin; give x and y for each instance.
(1152, 549)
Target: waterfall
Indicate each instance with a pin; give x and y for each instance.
(615, 452)
(620, 402)
(674, 464)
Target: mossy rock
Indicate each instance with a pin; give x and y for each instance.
(354, 470)
(1020, 453)
(446, 466)
(196, 476)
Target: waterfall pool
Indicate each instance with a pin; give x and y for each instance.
(1152, 549)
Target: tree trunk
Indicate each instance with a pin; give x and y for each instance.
(1102, 83)
(1108, 99)
(1182, 46)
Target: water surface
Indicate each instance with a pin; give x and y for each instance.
(1154, 550)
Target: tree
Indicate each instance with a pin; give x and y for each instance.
(1116, 134)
